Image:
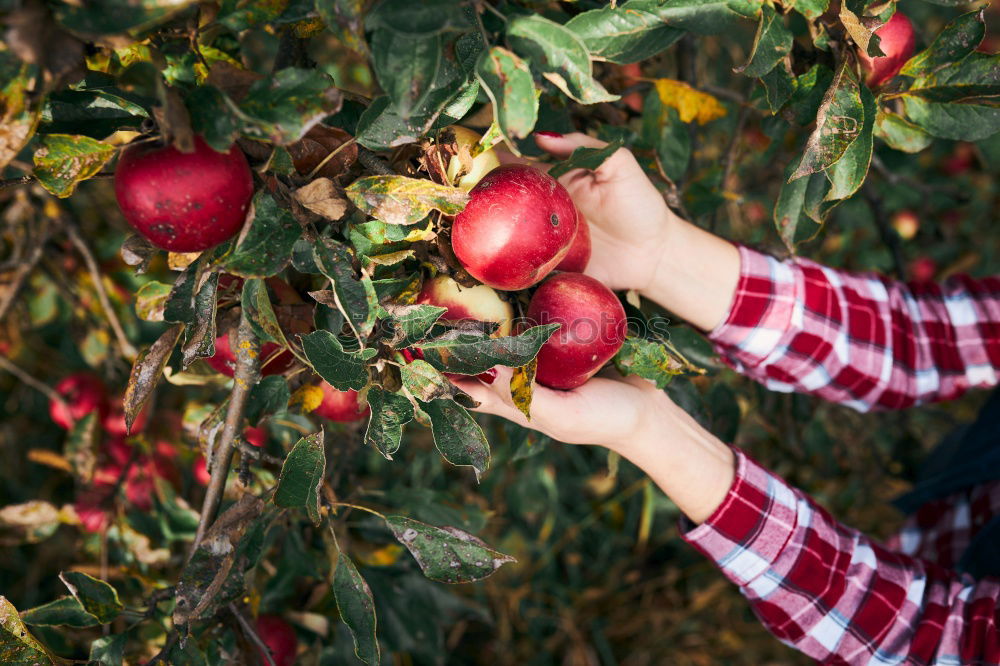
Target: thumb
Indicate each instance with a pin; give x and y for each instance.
(562, 145)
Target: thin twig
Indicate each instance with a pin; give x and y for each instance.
(247, 375)
(312, 174)
(45, 389)
(374, 163)
(729, 162)
(887, 233)
(251, 633)
(127, 350)
(23, 271)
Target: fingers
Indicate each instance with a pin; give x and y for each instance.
(563, 145)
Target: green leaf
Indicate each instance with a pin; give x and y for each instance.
(93, 113)
(560, 56)
(957, 101)
(256, 303)
(427, 17)
(585, 158)
(508, 82)
(849, 172)
(412, 322)
(109, 650)
(269, 396)
(623, 34)
(402, 200)
(357, 609)
(343, 18)
(811, 9)
(81, 448)
(341, 369)
(900, 133)
(424, 382)
(703, 17)
(63, 612)
(839, 123)
(467, 354)
(648, 359)
(779, 85)
(960, 122)
(795, 201)
(179, 306)
(406, 67)
(457, 436)
(669, 135)
(151, 299)
(389, 413)
(116, 16)
(810, 91)
(302, 475)
(958, 40)
(63, 160)
(356, 299)
(281, 108)
(447, 554)
(17, 645)
(97, 597)
(266, 247)
(772, 43)
(214, 116)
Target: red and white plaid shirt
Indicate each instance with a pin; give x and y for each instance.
(867, 342)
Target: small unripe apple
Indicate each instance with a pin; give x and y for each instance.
(273, 359)
(897, 41)
(340, 406)
(84, 393)
(923, 269)
(183, 202)
(479, 303)
(906, 223)
(516, 228)
(280, 639)
(482, 163)
(578, 257)
(593, 328)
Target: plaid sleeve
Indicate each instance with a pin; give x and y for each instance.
(835, 595)
(860, 339)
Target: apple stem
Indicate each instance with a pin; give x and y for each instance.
(127, 350)
(251, 633)
(245, 377)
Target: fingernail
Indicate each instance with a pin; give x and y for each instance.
(551, 135)
(488, 377)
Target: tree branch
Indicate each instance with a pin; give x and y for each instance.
(247, 375)
(252, 634)
(374, 163)
(41, 387)
(127, 350)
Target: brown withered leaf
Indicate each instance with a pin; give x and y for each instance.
(137, 251)
(232, 80)
(331, 147)
(321, 197)
(146, 372)
(175, 122)
(327, 297)
(36, 38)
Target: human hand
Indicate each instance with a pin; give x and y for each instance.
(633, 418)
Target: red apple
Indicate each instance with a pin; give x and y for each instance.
(923, 269)
(280, 639)
(84, 393)
(479, 303)
(183, 202)
(517, 227)
(961, 160)
(200, 471)
(906, 223)
(482, 163)
(632, 73)
(592, 332)
(341, 406)
(255, 436)
(94, 517)
(273, 359)
(897, 41)
(578, 257)
(114, 422)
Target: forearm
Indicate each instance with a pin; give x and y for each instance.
(695, 274)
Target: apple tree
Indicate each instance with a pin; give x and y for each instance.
(237, 279)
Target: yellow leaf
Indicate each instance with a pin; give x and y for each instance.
(520, 387)
(691, 104)
(308, 398)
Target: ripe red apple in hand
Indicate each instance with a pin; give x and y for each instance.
(280, 639)
(340, 406)
(578, 257)
(518, 225)
(593, 328)
(897, 41)
(482, 163)
(183, 202)
(273, 359)
(479, 303)
(84, 393)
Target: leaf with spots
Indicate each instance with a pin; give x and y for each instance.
(265, 245)
(772, 43)
(17, 645)
(521, 387)
(146, 372)
(97, 597)
(425, 383)
(109, 650)
(63, 160)
(649, 359)
(389, 413)
(457, 436)
(81, 448)
(302, 475)
(839, 123)
(151, 299)
(447, 554)
(585, 158)
(256, 302)
(283, 107)
(341, 369)
(402, 200)
(20, 110)
(471, 354)
(509, 84)
(355, 296)
(199, 335)
(357, 609)
(63, 612)
(412, 322)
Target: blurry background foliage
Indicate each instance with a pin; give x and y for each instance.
(600, 577)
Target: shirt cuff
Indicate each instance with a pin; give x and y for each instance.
(762, 308)
(749, 530)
